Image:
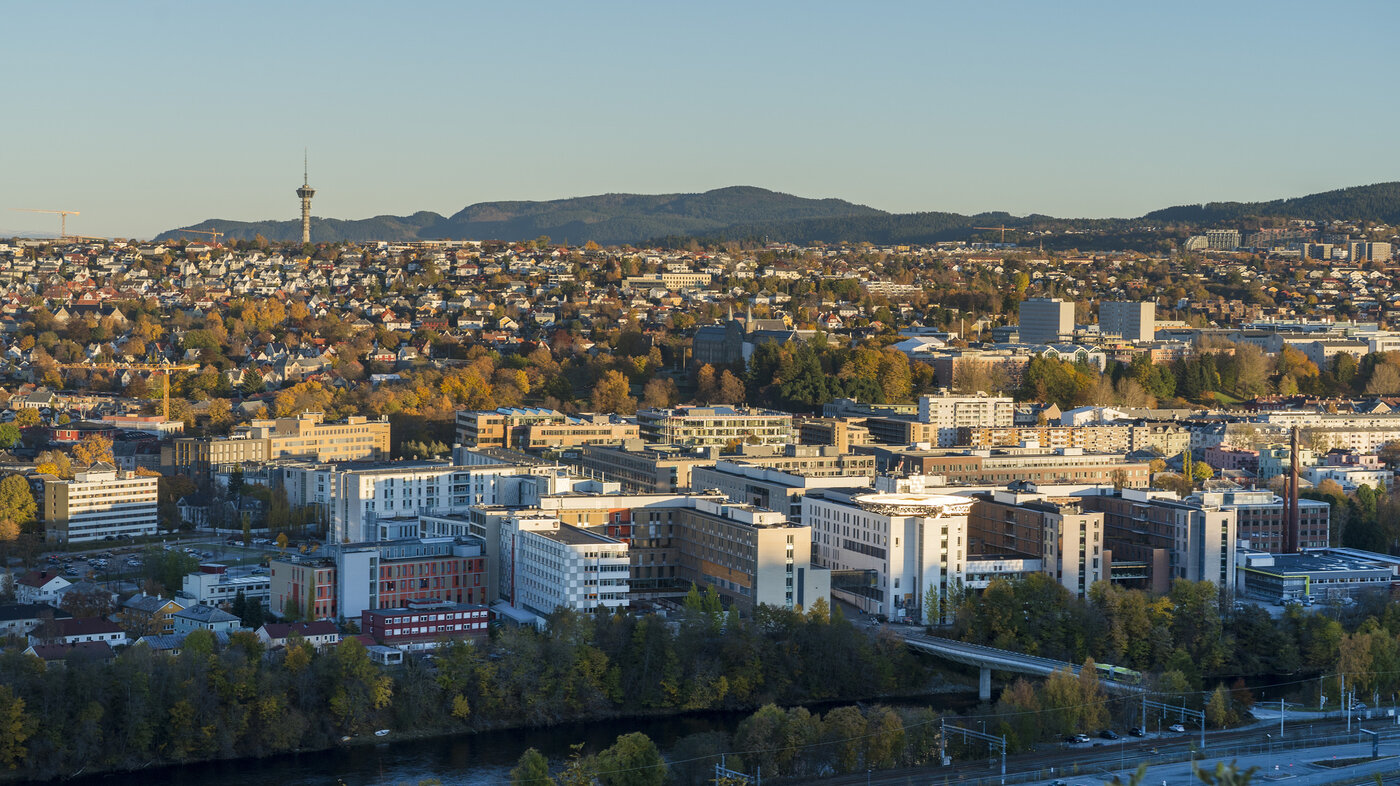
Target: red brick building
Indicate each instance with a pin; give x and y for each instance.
(422, 623)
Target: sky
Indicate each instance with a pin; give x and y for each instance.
(146, 116)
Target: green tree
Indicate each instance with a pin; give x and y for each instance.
(1226, 775)
(1219, 712)
(16, 727)
(633, 760)
(17, 501)
(580, 770)
(9, 435)
(612, 395)
(532, 769)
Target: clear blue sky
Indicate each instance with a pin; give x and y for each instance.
(147, 116)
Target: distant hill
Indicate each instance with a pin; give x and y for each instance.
(607, 219)
(322, 229)
(746, 212)
(1376, 202)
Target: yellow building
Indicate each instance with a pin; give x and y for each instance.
(306, 436)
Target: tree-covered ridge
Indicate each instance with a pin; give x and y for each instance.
(610, 219)
(747, 212)
(1376, 202)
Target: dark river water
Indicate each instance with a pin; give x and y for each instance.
(476, 759)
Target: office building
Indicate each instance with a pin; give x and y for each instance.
(907, 544)
(766, 487)
(423, 624)
(1154, 538)
(305, 437)
(1067, 542)
(536, 428)
(1316, 575)
(216, 585)
(1261, 515)
(391, 574)
(303, 587)
(555, 565)
(643, 469)
(99, 503)
(998, 467)
(1045, 321)
(1128, 321)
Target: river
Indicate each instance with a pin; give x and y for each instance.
(459, 760)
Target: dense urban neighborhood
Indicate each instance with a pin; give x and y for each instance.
(264, 497)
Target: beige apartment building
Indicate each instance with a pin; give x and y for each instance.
(306, 436)
(666, 469)
(99, 503)
(715, 426)
(1168, 440)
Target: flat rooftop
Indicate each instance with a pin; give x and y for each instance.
(1316, 562)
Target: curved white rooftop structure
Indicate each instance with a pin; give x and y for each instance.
(914, 504)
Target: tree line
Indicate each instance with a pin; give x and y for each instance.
(213, 702)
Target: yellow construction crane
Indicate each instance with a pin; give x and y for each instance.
(1004, 230)
(162, 369)
(213, 233)
(63, 221)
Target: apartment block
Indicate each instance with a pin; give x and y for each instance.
(1045, 321)
(715, 426)
(99, 503)
(947, 413)
(1128, 321)
(1168, 440)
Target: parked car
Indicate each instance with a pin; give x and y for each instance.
(1108, 734)
(1177, 727)
(1081, 738)
(1137, 732)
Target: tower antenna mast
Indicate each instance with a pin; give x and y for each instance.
(305, 192)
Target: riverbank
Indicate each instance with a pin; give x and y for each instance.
(482, 755)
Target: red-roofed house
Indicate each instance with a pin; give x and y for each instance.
(79, 630)
(318, 634)
(40, 586)
(59, 653)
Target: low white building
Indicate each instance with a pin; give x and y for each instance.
(214, 585)
(1351, 478)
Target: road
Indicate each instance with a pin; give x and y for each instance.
(1086, 765)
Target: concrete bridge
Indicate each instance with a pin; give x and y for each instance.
(989, 659)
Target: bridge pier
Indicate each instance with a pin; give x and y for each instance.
(984, 684)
